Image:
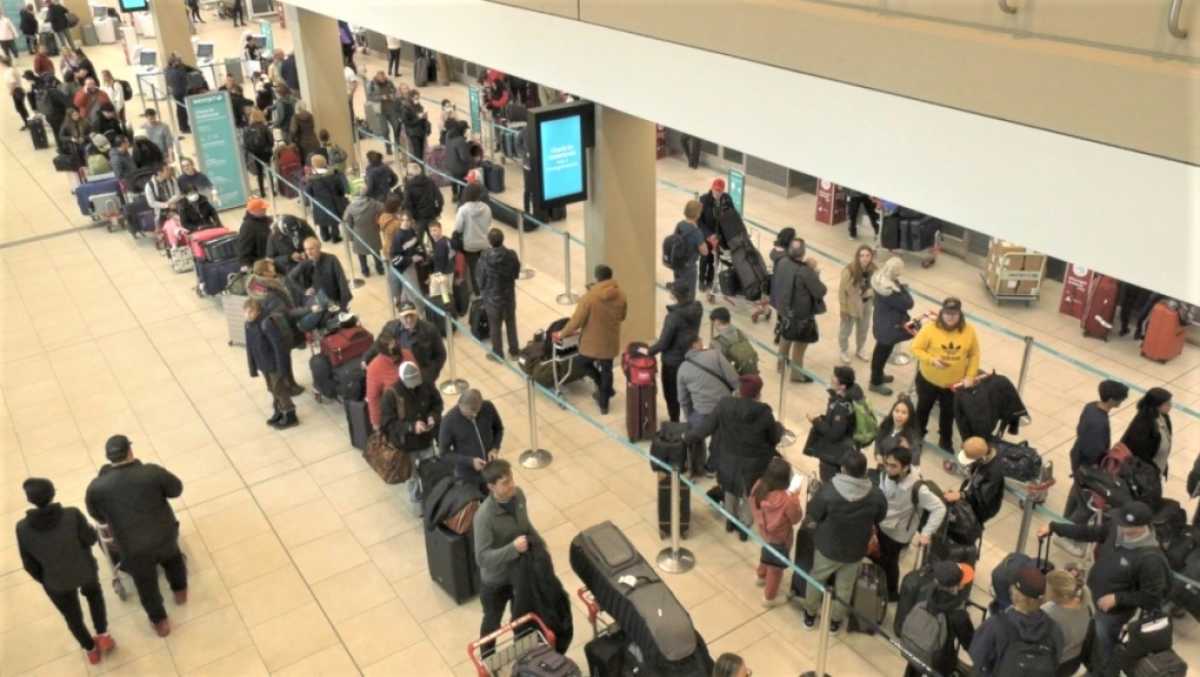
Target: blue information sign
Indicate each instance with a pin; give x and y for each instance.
(218, 148)
(268, 35)
(562, 157)
(473, 98)
(737, 190)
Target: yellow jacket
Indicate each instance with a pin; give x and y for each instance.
(958, 349)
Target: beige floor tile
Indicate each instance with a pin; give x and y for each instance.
(336, 467)
(237, 523)
(243, 663)
(453, 630)
(69, 665)
(352, 592)
(293, 636)
(400, 556)
(422, 658)
(285, 491)
(307, 522)
(359, 490)
(34, 644)
(328, 555)
(332, 662)
(246, 560)
(271, 595)
(208, 638)
(382, 520)
(150, 665)
(374, 634)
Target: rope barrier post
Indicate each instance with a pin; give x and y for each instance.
(1029, 341)
(789, 437)
(823, 639)
(534, 458)
(452, 385)
(1035, 495)
(901, 359)
(568, 297)
(526, 271)
(675, 559)
(349, 234)
(391, 292)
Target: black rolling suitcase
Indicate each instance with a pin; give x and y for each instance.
(478, 321)
(664, 508)
(37, 132)
(806, 547)
(606, 655)
(451, 560)
(358, 422)
(502, 213)
(493, 176)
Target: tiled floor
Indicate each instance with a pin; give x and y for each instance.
(301, 561)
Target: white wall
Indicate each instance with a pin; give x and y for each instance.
(1129, 215)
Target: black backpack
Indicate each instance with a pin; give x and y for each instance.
(1023, 658)
(126, 89)
(258, 140)
(674, 251)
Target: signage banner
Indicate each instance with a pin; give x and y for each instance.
(562, 157)
(1076, 281)
(737, 190)
(473, 95)
(218, 149)
(268, 35)
(831, 203)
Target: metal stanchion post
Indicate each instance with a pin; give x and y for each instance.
(534, 457)
(349, 234)
(675, 559)
(823, 638)
(568, 297)
(901, 359)
(1035, 495)
(388, 272)
(526, 271)
(452, 385)
(789, 437)
(1025, 365)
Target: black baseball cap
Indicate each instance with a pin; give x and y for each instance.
(1135, 514)
(116, 448)
(720, 315)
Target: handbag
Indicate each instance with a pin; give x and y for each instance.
(461, 521)
(391, 464)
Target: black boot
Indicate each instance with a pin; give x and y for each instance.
(275, 418)
(288, 420)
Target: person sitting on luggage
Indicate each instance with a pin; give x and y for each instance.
(947, 353)
(131, 498)
(597, 319)
(798, 296)
(55, 545)
(776, 511)
(470, 437)
(97, 157)
(908, 499)
(196, 212)
(946, 598)
(730, 665)
(1149, 433)
(285, 242)
(502, 533)
(900, 427)
(744, 438)
(1093, 439)
(680, 325)
(696, 246)
(705, 377)
(845, 511)
(832, 433)
(497, 273)
(1130, 571)
(1065, 604)
(732, 343)
(321, 272)
(1022, 639)
(270, 352)
(409, 415)
(983, 489)
(162, 192)
(712, 205)
(190, 177)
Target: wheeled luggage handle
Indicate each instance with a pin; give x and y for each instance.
(1005, 7)
(1173, 20)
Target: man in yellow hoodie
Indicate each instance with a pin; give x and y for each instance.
(947, 352)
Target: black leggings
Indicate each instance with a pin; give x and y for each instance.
(18, 99)
(670, 388)
(929, 395)
(393, 62)
(67, 603)
(879, 358)
(889, 559)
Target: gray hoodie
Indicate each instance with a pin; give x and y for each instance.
(704, 378)
(362, 216)
(902, 516)
(473, 221)
(845, 510)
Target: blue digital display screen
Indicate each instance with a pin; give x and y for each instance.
(562, 157)
(134, 5)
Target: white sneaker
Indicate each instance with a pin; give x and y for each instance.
(845, 358)
(772, 603)
(862, 357)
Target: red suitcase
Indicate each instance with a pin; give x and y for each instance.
(641, 393)
(197, 239)
(344, 345)
(1164, 333)
(1100, 307)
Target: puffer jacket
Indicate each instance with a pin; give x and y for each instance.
(682, 320)
(252, 238)
(55, 544)
(497, 273)
(303, 133)
(744, 436)
(422, 197)
(473, 221)
(132, 499)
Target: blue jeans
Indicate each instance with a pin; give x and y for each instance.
(693, 421)
(1108, 631)
(414, 483)
(689, 274)
(312, 320)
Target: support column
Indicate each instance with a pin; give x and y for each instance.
(318, 49)
(79, 8)
(172, 32)
(619, 217)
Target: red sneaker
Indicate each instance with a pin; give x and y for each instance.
(181, 596)
(93, 656)
(163, 627)
(105, 643)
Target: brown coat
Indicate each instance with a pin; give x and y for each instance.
(598, 316)
(850, 297)
(388, 225)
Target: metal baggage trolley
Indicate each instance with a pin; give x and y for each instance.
(510, 643)
(108, 546)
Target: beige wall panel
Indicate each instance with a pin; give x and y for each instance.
(564, 8)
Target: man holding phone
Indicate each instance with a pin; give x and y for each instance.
(503, 533)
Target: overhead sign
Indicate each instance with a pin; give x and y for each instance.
(217, 147)
(133, 5)
(559, 138)
(473, 97)
(737, 190)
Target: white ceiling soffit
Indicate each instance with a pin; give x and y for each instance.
(1130, 215)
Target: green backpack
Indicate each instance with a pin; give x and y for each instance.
(865, 424)
(740, 352)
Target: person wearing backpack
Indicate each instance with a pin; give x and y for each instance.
(908, 499)
(1130, 571)
(259, 144)
(680, 325)
(1021, 641)
(1093, 439)
(832, 433)
(938, 624)
(683, 248)
(732, 343)
(983, 489)
(798, 296)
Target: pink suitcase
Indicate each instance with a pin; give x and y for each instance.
(198, 238)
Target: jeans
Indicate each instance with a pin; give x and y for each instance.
(693, 420)
(494, 599)
(929, 395)
(365, 263)
(670, 390)
(416, 146)
(844, 575)
(601, 373)
(413, 484)
(868, 205)
(64, 38)
(505, 313)
(279, 384)
(689, 275)
(860, 324)
(67, 602)
(10, 48)
(1108, 631)
(144, 569)
(393, 62)
(691, 148)
(889, 559)
(31, 42)
(879, 358)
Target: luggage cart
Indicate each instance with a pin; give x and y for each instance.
(108, 546)
(602, 624)
(511, 642)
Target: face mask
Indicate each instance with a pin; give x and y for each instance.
(194, 197)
